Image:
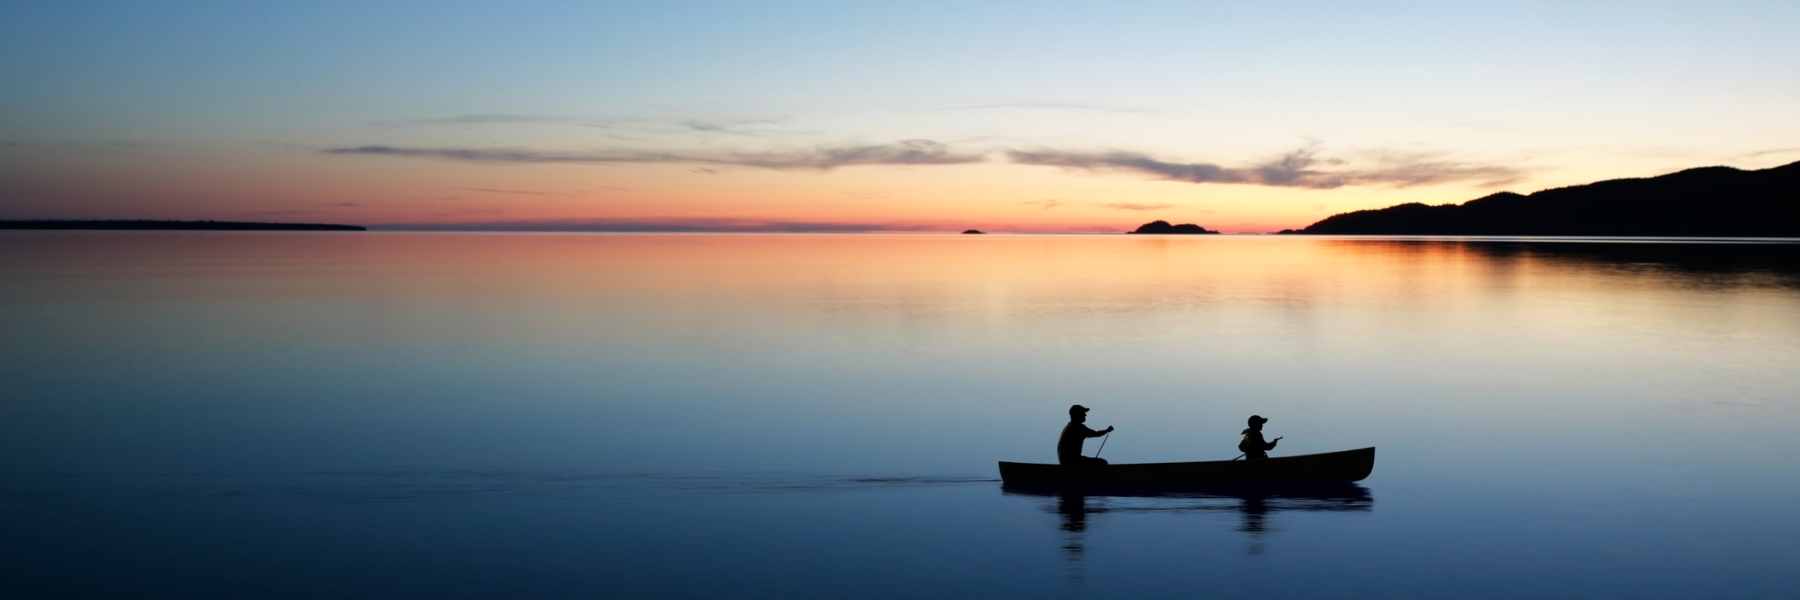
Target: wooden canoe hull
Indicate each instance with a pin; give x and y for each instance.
(1349, 465)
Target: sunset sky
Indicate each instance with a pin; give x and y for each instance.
(840, 116)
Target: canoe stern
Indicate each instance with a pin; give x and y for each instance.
(1346, 466)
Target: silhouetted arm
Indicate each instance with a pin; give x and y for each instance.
(1092, 433)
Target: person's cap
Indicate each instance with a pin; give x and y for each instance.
(1256, 419)
(1077, 410)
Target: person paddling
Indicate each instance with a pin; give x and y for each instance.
(1253, 445)
(1068, 448)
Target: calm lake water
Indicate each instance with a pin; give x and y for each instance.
(383, 415)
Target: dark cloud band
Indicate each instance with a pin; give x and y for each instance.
(908, 152)
(672, 225)
(1137, 206)
(1300, 168)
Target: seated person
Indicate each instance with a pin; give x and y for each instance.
(1253, 445)
(1068, 449)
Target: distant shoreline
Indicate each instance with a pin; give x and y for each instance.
(1710, 202)
(248, 226)
(148, 225)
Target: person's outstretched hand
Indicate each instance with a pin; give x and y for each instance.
(1109, 428)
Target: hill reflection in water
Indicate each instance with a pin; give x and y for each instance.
(1692, 261)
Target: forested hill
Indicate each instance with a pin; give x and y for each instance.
(1704, 202)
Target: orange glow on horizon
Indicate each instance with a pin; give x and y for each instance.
(283, 186)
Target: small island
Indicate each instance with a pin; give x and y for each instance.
(1703, 202)
(1163, 227)
(148, 225)
(973, 232)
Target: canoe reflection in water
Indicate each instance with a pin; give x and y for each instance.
(1255, 503)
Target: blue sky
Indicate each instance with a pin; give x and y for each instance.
(182, 108)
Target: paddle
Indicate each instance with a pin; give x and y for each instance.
(1103, 444)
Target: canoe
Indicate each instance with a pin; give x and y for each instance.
(1349, 465)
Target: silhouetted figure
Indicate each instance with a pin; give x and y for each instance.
(1068, 448)
(1253, 445)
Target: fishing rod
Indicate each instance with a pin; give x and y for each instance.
(1103, 444)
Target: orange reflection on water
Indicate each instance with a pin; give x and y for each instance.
(1022, 274)
(1178, 331)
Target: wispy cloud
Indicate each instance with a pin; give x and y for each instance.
(823, 158)
(1301, 168)
(1136, 206)
(82, 145)
(1044, 204)
(1763, 153)
(516, 192)
(490, 119)
(649, 225)
(623, 127)
(1040, 105)
(736, 127)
